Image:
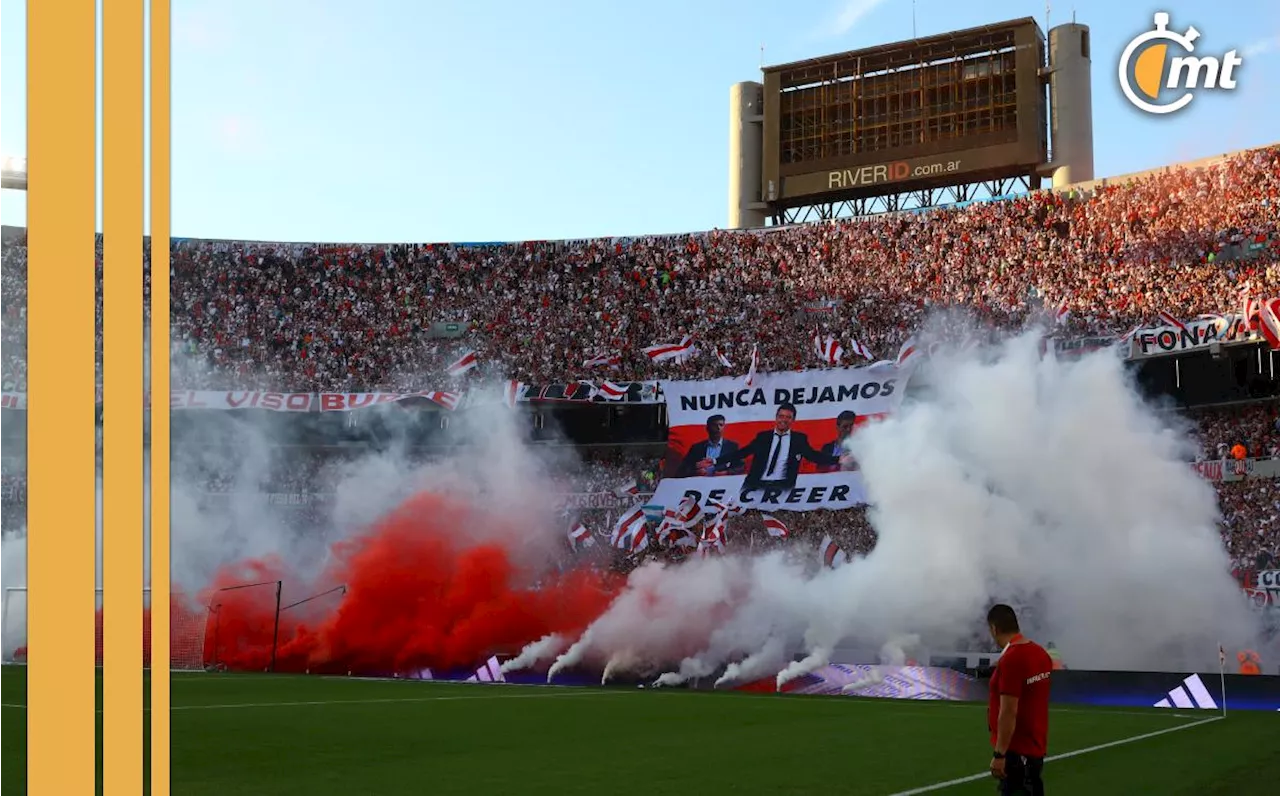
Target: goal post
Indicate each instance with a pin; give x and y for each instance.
(188, 627)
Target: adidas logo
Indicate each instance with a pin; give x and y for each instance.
(491, 672)
(1191, 694)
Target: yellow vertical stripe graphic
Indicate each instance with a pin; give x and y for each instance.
(61, 394)
(122, 396)
(159, 36)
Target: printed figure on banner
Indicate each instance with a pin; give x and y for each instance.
(780, 444)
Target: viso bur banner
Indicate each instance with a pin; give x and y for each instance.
(778, 444)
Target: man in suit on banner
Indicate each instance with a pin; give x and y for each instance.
(838, 447)
(703, 456)
(776, 455)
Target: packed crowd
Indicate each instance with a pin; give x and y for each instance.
(361, 317)
(1251, 523)
(1252, 432)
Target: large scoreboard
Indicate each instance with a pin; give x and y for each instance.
(960, 107)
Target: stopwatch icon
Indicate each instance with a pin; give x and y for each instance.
(1155, 69)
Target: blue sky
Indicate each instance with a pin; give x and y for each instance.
(410, 120)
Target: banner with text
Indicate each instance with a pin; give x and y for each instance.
(1265, 593)
(819, 398)
(1198, 334)
(636, 393)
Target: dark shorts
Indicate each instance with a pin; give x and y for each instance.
(1022, 776)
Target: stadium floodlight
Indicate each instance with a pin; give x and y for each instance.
(14, 173)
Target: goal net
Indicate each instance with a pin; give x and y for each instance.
(187, 629)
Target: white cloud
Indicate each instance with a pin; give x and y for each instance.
(1261, 46)
(849, 15)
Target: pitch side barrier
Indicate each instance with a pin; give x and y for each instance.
(1182, 691)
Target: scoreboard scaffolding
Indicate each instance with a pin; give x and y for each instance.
(911, 124)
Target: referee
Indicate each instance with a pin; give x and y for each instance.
(1018, 709)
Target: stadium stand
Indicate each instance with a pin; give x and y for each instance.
(316, 317)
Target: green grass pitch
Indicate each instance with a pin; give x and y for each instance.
(305, 736)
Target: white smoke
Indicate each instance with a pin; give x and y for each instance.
(546, 647)
(1044, 483)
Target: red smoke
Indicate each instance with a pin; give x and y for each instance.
(418, 596)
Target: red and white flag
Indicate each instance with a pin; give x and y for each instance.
(671, 535)
(1222, 656)
(1249, 309)
(579, 537)
(627, 489)
(611, 391)
(626, 526)
(726, 509)
(680, 352)
(511, 391)
(831, 555)
(724, 360)
(463, 364)
(640, 540)
(909, 351)
(860, 349)
(685, 514)
(1168, 319)
(755, 362)
(447, 400)
(1061, 314)
(611, 359)
(775, 527)
(713, 538)
(829, 351)
(1269, 322)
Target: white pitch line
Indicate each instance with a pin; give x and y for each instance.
(987, 774)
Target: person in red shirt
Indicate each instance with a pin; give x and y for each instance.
(1018, 708)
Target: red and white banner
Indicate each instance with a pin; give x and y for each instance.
(818, 396)
(301, 401)
(253, 399)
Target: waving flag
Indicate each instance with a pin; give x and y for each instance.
(580, 538)
(611, 359)
(627, 489)
(829, 351)
(724, 360)
(1168, 319)
(1061, 314)
(831, 555)
(775, 527)
(1269, 322)
(464, 363)
(511, 393)
(726, 509)
(755, 362)
(1249, 309)
(611, 391)
(680, 352)
(685, 514)
(626, 527)
(860, 349)
(909, 351)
